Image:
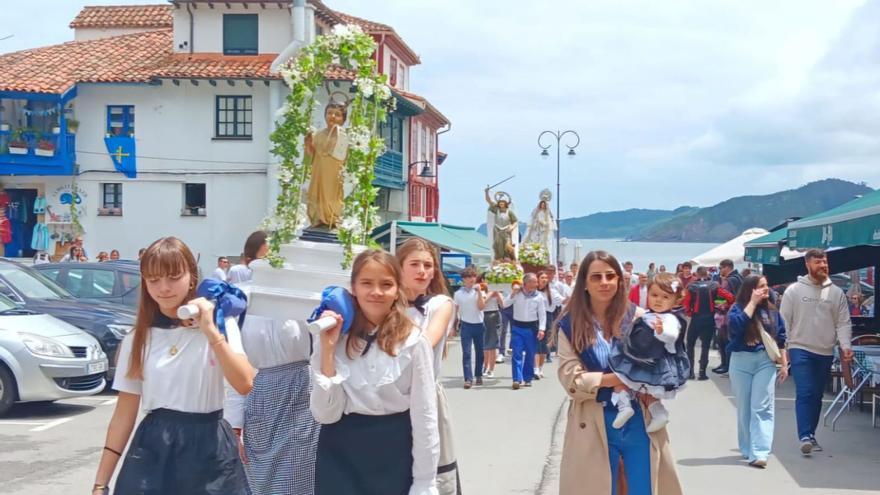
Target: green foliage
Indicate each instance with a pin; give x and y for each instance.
(350, 48)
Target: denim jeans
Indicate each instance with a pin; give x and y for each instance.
(753, 382)
(810, 372)
(472, 337)
(633, 444)
(523, 341)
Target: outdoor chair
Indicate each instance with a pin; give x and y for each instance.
(856, 375)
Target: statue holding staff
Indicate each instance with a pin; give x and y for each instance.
(502, 226)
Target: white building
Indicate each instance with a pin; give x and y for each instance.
(184, 96)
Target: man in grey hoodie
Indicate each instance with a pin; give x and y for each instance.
(816, 315)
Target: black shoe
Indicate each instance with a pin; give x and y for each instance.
(719, 370)
(692, 376)
(702, 376)
(479, 380)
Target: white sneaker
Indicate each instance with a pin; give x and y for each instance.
(623, 415)
(659, 417)
(537, 373)
(489, 374)
(499, 359)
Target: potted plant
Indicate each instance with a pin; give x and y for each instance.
(534, 257)
(116, 211)
(500, 275)
(45, 147)
(17, 145)
(104, 211)
(72, 125)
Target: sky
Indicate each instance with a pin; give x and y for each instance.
(675, 102)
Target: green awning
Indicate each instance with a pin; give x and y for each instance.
(856, 223)
(449, 237)
(767, 249)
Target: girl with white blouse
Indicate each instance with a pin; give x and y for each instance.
(174, 372)
(256, 247)
(431, 308)
(373, 392)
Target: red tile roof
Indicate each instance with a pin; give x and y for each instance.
(215, 66)
(423, 102)
(57, 68)
(132, 16)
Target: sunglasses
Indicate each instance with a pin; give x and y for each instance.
(599, 277)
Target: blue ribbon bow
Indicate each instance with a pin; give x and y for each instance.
(229, 301)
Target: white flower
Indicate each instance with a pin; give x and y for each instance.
(349, 182)
(283, 111)
(285, 176)
(383, 92)
(359, 138)
(365, 85)
(341, 31)
(290, 75)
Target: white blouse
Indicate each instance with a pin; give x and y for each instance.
(239, 274)
(422, 320)
(191, 380)
(268, 343)
(378, 384)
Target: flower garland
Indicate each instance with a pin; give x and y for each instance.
(534, 254)
(503, 273)
(352, 49)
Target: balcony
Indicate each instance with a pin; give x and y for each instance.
(34, 134)
(389, 171)
(33, 153)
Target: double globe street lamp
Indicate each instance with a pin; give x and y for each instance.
(559, 135)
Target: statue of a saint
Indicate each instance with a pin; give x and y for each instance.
(542, 224)
(502, 226)
(327, 150)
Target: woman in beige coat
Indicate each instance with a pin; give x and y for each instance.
(593, 450)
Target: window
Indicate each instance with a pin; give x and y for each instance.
(240, 34)
(234, 117)
(52, 274)
(111, 195)
(120, 120)
(392, 72)
(194, 199)
(392, 133)
(90, 283)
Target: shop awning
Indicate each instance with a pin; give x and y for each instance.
(732, 249)
(449, 237)
(766, 250)
(856, 223)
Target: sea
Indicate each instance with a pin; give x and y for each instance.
(640, 253)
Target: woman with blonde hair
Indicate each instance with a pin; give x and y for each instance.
(431, 308)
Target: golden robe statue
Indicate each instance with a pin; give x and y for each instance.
(327, 150)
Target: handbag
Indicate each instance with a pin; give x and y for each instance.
(770, 345)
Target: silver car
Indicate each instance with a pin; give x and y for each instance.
(43, 358)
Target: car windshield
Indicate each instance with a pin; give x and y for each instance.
(32, 284)
(6, 304)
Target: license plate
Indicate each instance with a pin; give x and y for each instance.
(99, 367)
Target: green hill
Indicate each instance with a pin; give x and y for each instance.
(730, 218)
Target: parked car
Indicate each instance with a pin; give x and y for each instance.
(43, 358)
(106, 322)
(113, 281)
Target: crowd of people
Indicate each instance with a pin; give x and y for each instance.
(361, 409)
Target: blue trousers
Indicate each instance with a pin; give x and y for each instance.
(523, 341)
(472, 337)
(633, 444)
(753, 382)
(810, 372)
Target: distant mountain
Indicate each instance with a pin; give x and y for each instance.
(730, 218)
(717, 223)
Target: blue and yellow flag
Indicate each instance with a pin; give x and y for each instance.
(121, 149)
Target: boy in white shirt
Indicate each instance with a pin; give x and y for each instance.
(470, 302)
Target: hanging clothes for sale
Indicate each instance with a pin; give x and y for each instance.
(40, 205)
(5, 230)
(40, 238)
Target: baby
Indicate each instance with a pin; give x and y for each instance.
(650, 358)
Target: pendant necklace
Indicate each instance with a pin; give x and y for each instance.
(173, 350)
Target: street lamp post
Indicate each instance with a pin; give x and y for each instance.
(545, 154)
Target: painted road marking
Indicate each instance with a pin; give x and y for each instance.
(20, 423)
(52, 424)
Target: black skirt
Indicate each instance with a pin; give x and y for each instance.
(365, 455)
(176, 452)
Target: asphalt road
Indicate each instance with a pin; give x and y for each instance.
(508, 442)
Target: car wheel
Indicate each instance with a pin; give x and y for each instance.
(7, 390)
